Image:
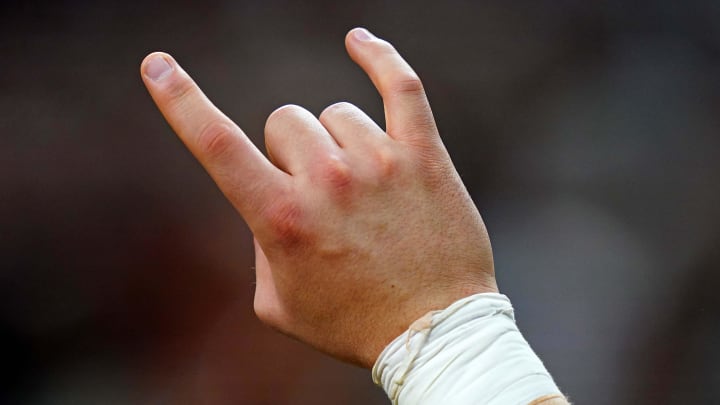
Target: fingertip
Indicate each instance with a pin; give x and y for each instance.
(157, 66)
(360, 34)
(357, 37)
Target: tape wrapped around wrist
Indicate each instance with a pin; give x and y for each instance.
(469, 353)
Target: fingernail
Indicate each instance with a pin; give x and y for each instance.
(157, 68)
(362, 34)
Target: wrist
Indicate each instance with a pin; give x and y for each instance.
(407, 315)
(470, 352)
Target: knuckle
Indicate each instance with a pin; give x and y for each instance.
(215, 139)
(337, 175)
(386, 164)
(404, 79)
(407, 82)
(285, 223)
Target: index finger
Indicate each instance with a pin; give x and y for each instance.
(241, 171)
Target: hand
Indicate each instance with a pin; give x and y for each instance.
(358, 231)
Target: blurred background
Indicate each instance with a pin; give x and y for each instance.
(587, 133)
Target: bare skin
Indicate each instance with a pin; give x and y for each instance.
(359, 231)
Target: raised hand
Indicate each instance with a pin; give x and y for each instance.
(358, 231)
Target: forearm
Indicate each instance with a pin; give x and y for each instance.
(469, 353)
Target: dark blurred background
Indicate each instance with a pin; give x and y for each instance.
(587, 133)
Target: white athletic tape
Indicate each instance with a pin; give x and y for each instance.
(469, 353)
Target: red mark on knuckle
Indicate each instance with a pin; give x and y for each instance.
(215, 139)
(285, 221)
(337, 175)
